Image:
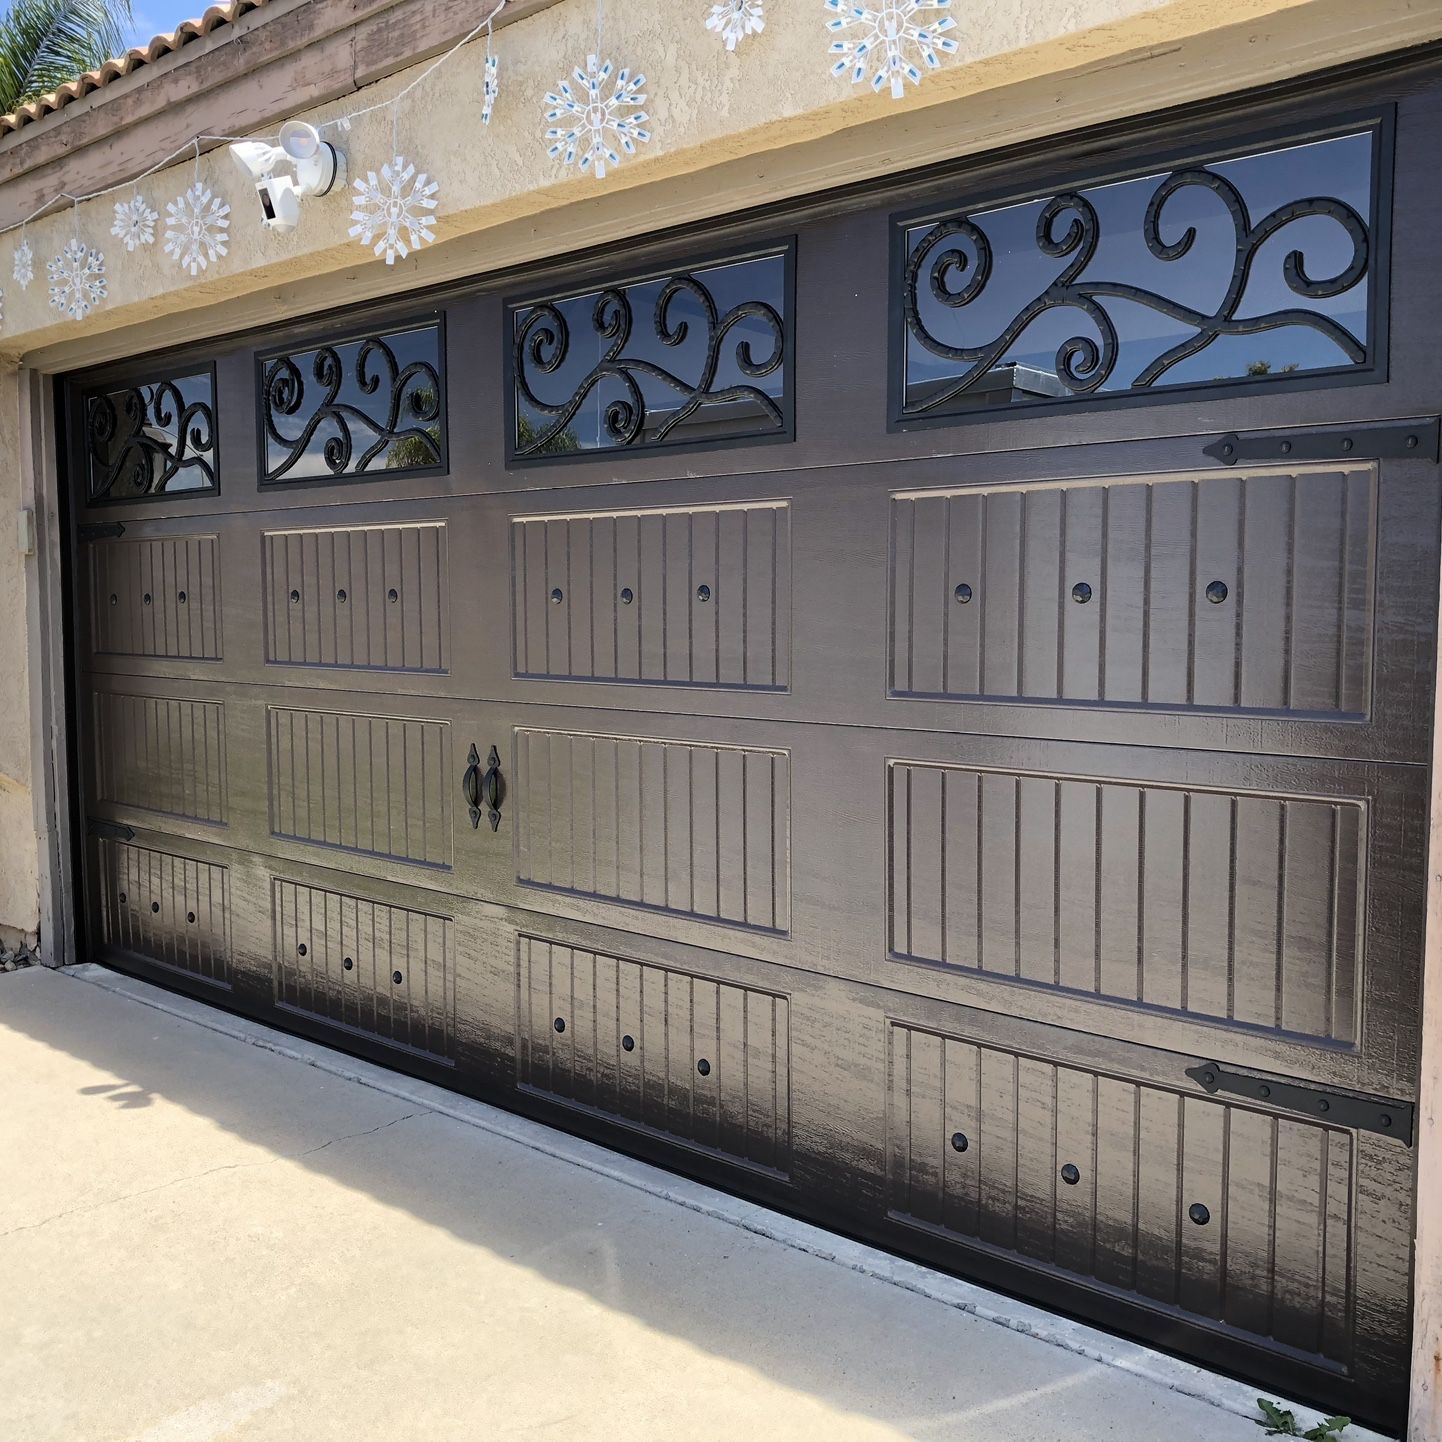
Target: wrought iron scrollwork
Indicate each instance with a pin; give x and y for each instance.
(543, 344)
(141, 439)
(402, 427)
(955, 261)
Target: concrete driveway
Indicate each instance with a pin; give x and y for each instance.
(209, 1230)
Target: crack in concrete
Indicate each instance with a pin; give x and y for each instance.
(211, 1172)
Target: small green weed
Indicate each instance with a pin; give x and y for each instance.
(1280, 1422)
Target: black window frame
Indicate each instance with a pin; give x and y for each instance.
(351, 335)
(148, 376)
(1380, 121)
(512, 307)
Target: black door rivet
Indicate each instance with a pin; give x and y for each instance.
(1229, 449)
(962, 593)
(190, 917)
(155, 906)
(302, 949)
(1286, 448)
(397, 977)
(557, 596)
(559, 1023)
(146, 598)
(1208, 1078)
(1384, 1119)
(627, 595)
(295, 598)
(348, 963)
(393, 595)
(704, 1067)
(703, 593)
(1070, 1175)
(959, 1142)
(1081, 593)
(1323, 1105)
(340, 596)
(628, 1043)
(1264, 1092)
(1411, 443)
(122, 898)
(1217, 592)
(1348, 443)
(114, 599)
(1199, 1214)
(181, 598)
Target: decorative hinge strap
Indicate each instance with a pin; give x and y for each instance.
(1335, 1108)
(99, 530)
(1387, 440)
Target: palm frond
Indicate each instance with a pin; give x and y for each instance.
(44, 43)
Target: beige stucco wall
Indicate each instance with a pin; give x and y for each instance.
(19, 905)
(729, 131)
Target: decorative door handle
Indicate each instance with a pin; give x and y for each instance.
(484, 791)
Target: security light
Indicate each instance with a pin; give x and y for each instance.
(318, 166)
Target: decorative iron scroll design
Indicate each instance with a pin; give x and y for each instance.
(362, 404)
(141, 440)
(954, 261)
(720, 376)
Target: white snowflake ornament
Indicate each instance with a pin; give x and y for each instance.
(587, 123)
(134, 222)
(77, 279)
(196, 223)
(734, 20)
(891, 33)
(490, 87)
(24, 267)
(392, 213)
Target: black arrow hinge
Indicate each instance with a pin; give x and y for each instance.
(99, 530)
(110, 830)
(1342, 1109)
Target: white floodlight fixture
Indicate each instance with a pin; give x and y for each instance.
(318, 166)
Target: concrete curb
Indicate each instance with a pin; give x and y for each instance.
(1169, 1373)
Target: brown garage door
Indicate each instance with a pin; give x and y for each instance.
(915, 710)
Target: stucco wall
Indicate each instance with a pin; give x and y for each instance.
(19, 906)
(730, 131)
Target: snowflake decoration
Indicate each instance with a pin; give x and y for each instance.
(134, 222)
(24, 267)
(490, 88)
(591, 119)
(394, 211)
(734, 20)
(77, 279)
(195, 228)
(892, 31)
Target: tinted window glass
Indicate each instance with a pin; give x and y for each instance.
(374, 404)
(151, 440)
(1255, 266)
(699, 355)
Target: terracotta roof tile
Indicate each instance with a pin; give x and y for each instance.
(133, 59)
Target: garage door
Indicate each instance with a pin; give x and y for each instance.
(915, 710)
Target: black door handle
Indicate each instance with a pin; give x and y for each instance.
(484, 791)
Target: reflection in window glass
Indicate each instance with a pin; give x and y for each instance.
(695, 356)
(1249, 267)
(150, 440)
(359, 406)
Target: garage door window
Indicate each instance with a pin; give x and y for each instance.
(154, 438)
(370, 405)
(688, 357)
(1252, 268)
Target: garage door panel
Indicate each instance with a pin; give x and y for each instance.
(156, 597)
(1245, 905)
(1245, 592)
(1226, 1214)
